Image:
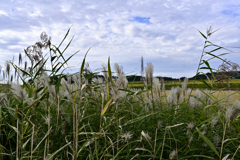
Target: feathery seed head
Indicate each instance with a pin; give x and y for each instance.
(77, 80)
(229, 97)
(236, 107)
(145, 135)
(188, 92)
(171, 96)
(8, 68)
(117, 69)
(209, 31)
(149, 72)
(66, 85)
(19, 92)
(52, 90)
(157, 86)
(198, 93)
(159, 124)
(120, 95)
(184, 84)
(20, 59)
(214, 121)
(126, 136)
(47, 119)
(172, 154)
(45, 79)
(236, 104)
(229, 113)
(216, 140)
(176, 109)
(190, 140)
(190, 125)
(189, 128)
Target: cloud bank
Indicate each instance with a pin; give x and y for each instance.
(163, 32)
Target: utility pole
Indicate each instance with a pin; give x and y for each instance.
(142, 68)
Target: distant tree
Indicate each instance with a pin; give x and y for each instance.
(226, 71)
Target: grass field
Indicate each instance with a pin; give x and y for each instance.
(234, 84)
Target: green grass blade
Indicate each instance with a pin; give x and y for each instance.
(65, 62)
(139, 118)
(203, 81)
(64, 37)
(61, 55)
(67, 45)
(202, 35)
(208, 67)
(218, 58)
(83, 63)
(39, 70)
(208, 142)
(110, 72)
(53, 154)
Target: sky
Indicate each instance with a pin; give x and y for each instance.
(164, 32)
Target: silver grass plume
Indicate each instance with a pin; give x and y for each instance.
(66, 85)
(19, 92)
(193, 102)
(121, 81)
(229, 113)
(126, 136)
(149, 73)
(199, 95)
(206, 98)
(171, 97)
(236, 107)
(145, 135)
(52, 91)
(117, 69)
(156, 89)
(184, 86)
(229, 97)
(172, 154)
(178, 92)
(216, 140)
(190, 126)
(44, 79)
(148, 76)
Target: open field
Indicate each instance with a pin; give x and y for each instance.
(234, 84)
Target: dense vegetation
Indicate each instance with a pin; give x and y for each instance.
(107, 118)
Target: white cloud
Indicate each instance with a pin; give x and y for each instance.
(163, 33)
(3, 13)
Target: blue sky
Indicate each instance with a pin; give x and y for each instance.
(164, 32)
